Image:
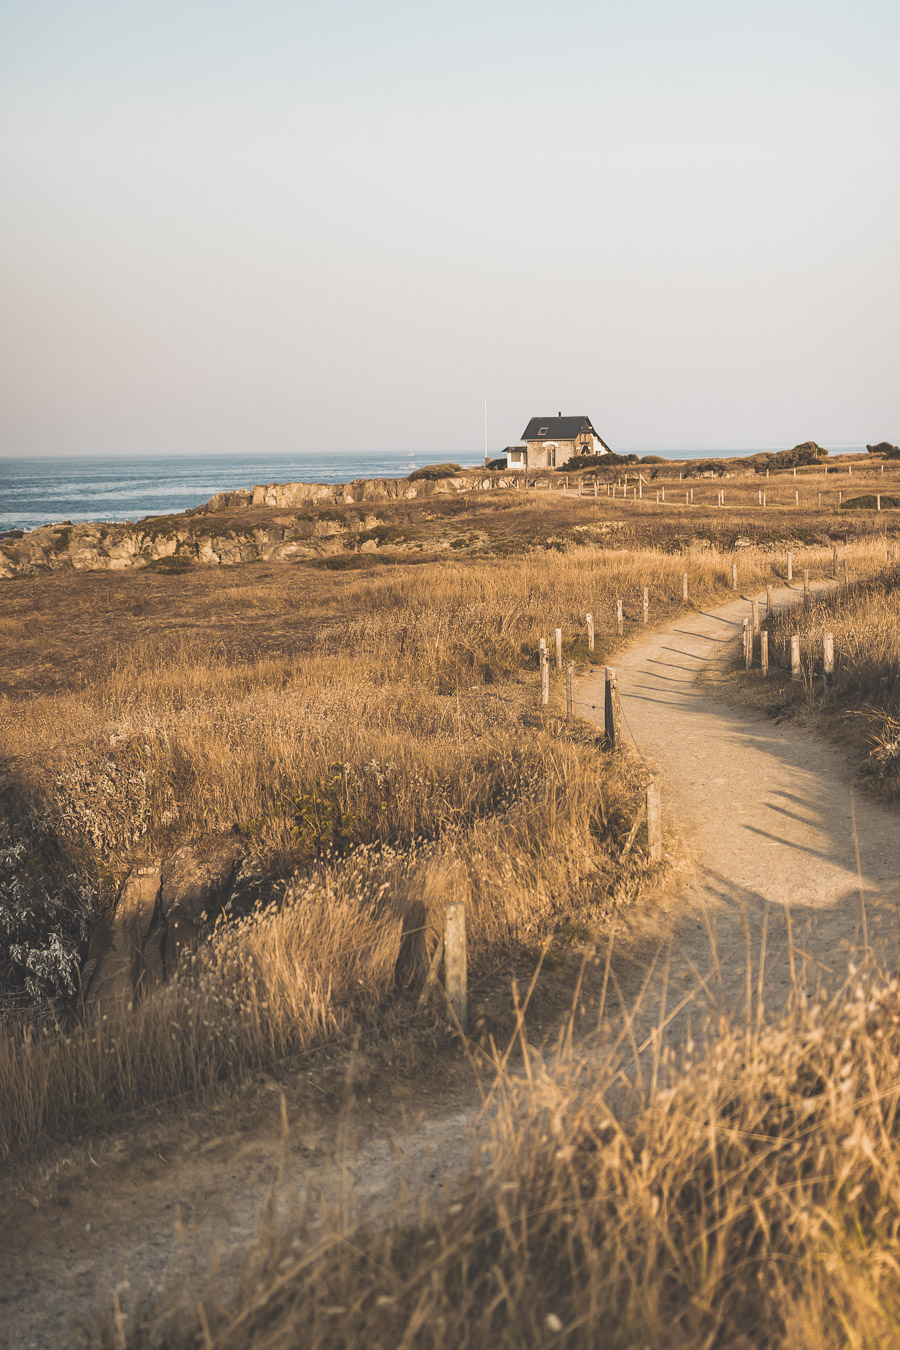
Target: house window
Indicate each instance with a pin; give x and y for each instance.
(551, 459)
(543, 431)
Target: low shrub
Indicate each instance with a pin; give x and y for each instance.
(432, 472)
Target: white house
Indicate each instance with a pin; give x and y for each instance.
(552, 441)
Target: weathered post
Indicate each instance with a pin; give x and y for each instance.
(795, 656)
(684, 586)
(759, 496)
(692, 496)
(748, 644)
(559, 649)
(570, 698)
(662, 492)
(590, 632)
(806, 585)
(819, 501)
(734, 576)
(610, 709)
(654, 822)
(834, 561)
(846, 573)
(790, 567)
(878, 501)
(687, 499)
(764, 651)
(455, 983)
(754, 609)
(764, 499)
(827, 659)
(797, 497)
(840, 496)
(645, 605)
(545, 679)
(619, 622)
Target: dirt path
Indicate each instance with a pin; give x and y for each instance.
(764, 813)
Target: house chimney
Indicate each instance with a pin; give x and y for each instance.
(559, 414)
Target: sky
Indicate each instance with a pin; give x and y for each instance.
(278, 226)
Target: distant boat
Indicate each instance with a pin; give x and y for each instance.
(411, 465)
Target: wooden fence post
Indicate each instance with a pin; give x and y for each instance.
(846, 573)
(827, 659)
(754, 610)
(654, 822)
(797, 497)
(748, 644)
(610, 711)
(878, 501)
(840, 496)
(734, 576)
(684, 586)
(764, 499)
(662, 493)
(795, 656)
(645, 607)
(805, 584)
(768, 599)
(570, 670)
(590, 631)
(790, 566)
(764, 651)
(455, 983)
(619, 622)
(834, 561)
(545, 679)
(559, 649)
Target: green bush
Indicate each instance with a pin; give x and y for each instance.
(432, 472)
(869, 502)
(595, 462)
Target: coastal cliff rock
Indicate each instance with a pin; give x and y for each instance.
(215, 535)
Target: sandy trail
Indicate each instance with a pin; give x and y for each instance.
(765, 814)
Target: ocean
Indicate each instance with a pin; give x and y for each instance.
(46, 490)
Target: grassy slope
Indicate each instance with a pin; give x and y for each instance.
(861, 709)
(378, 733)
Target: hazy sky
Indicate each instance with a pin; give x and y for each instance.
(290, 226)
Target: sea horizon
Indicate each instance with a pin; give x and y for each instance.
(48, 489)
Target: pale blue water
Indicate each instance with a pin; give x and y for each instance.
(41, 491)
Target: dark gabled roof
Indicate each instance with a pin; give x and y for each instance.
(556, 428)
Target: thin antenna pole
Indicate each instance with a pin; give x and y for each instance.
(486, 456)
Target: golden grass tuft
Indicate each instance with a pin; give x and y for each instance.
(751, 1198)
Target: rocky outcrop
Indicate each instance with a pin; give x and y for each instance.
(163, 909)
(210, 536)
(131, 956)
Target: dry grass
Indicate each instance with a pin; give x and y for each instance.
(401, 761)
(750, 1199)
(863, 704)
